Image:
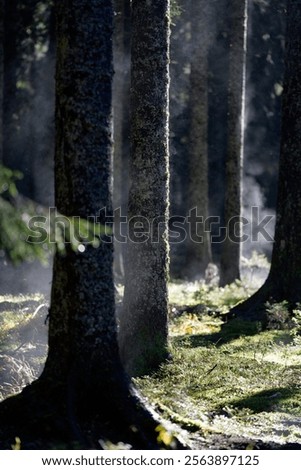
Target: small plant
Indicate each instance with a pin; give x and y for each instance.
(17, 445)
(296, 323)
(278, 315)
(175, 10)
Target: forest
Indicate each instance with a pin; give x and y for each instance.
(150, 224)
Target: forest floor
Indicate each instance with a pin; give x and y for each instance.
(228, 385)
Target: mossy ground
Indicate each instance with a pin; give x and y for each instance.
(224, 379)
(229, 378)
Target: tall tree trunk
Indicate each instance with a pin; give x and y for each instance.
(9, 77)
(284, 280)
(43, 101)
(180, 46)
(143, 325)
(218, 63)
(18, 58)
(82, 329)
(231, 248)
(83, 394)
(198, 244)
(121, 111)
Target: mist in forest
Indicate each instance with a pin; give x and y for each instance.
(34, 142)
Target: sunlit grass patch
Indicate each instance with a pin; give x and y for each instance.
(19, 299)
(15, 374)
(23, 341)
(230, 378)
(223, 299)
(16, 313)
(183, 293)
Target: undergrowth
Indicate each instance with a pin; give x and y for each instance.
(230, 379)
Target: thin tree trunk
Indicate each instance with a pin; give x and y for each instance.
(42, 129)
(198, 244)
(180, 46)
(143, 325)
(231, 249)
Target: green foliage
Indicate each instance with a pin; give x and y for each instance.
(281, 316)
(14, 222)
(77, 233)
(8, 180)
(175, 9)
(16, 237)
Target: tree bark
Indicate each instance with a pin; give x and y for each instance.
(285, 273)
(198, 243)
(180, 46)
(284, 280)
(143, 325)
(231, 248)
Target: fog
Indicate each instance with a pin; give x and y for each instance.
(31, 144)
